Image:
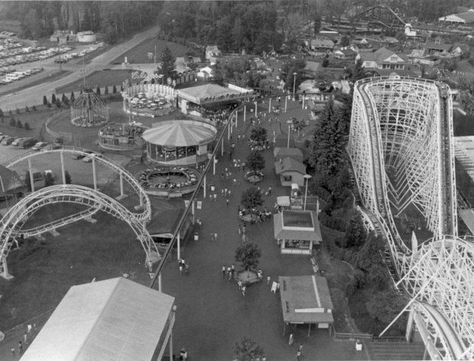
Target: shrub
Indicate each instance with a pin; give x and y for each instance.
(27, 109)
(72, 98)
(27, 126)
(12, 122)
(98, 90)
(34, 108)
(1, 113)
(45, 100)
(48, 180)
(53, 99)
(19, 124)
(255, 161)
(17, 110)
(248, 350)
(114, 89)
(106, 91)
(67, 177)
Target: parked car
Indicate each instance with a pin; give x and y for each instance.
(81, 156)
(17, 141)
(39, 145)
(7, 140)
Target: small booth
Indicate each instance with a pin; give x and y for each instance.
(179, 142)
(296, 231)
(290, 171)
(164, 224)
(306, 300)
(114, 319)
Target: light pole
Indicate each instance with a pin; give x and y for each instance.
(307, 177)
(289, 122)
(294, 85)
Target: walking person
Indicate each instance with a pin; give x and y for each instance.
(223, 272)
(291, 339)
(299, 355)
(20, 347)
(232, 270)
(244, 289)
(215, 236)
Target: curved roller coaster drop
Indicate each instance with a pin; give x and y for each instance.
(401, 150)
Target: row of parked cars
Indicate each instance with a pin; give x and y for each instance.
(66, 57)
(17, 75)
(26, 142)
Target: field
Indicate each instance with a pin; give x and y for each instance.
(139, 54)
(98, 78)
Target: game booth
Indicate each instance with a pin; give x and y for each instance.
(179, 142)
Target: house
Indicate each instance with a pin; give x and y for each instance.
(464, 18)
(296, 231)
(290, 171)
(321, 44)
(382, 58)
(345, 54)
(212, 53)
(283, 152)
(437, 48)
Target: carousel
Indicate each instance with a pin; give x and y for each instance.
(89, 110)
(179, 142)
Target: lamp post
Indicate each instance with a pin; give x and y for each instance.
(294, 85)
(307, 177)
(289, 122)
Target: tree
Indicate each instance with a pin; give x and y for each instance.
(345, 41)
(251, 198)
(255, 161)
(97, 90)
(317, 24)
(28, 181)
(64, 99)
(325, 62)
(45, 101)
(385, 305)
(288, 71)
(167, 64)
(12, 122)
(19, 124)
(258, 134)
(27, 126)
(1, 113)
(359, 71)
(106, 91)
(48, 179)
(67, 177)
(72, 98)
(248, 255)
(355, 233)
(248, 350)
(114, 89)
(53, 99)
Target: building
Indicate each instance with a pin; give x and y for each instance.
(437, 48)
(209, 95)
(10, 183)
(283, 152)
(345, 54)
(466, 17)
(115, 319)
(86, 37)
(212, 53)
(290, 171)
(296, 231)
(179, 142)
(382, 58)
(306, 300)
(320, 44)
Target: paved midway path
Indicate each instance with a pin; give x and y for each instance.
(34, 94)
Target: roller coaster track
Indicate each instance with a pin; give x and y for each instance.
(401, 150)
(16, 216)
(142, 213)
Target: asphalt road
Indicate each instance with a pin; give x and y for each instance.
(34, 95)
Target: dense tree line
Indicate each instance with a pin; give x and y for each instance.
(233, 26)
(116, 19)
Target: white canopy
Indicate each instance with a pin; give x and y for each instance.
(111, 320)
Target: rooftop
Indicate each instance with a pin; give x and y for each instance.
(115, 319)
(297, 219)
(305, 299)
(289, 165)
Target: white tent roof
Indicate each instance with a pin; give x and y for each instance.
(180, 133)
(111, 320)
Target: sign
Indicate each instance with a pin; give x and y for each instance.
(199, 204)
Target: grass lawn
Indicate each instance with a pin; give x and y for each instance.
(463, 124)
(139, 54)
(98, 78)
(34, 119)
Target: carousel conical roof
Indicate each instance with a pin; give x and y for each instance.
(180, 133)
